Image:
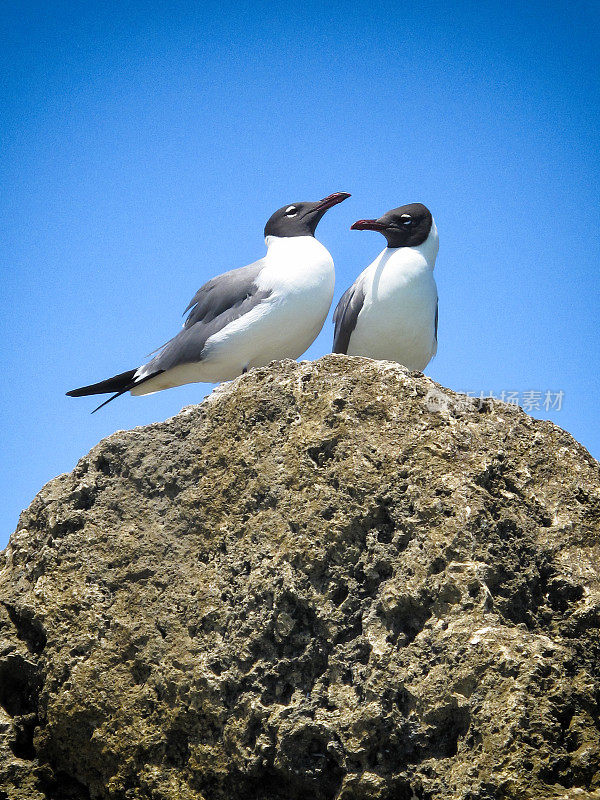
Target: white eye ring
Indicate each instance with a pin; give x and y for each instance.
(406, 219)
(291, 211)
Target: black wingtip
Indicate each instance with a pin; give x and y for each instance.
(128, 388)
(114, 384)
(114, 397)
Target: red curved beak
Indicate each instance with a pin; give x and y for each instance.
(367, 225)
(332, 200)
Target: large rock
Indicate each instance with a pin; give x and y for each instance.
(329, 580)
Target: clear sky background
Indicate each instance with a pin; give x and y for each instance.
(144, 145)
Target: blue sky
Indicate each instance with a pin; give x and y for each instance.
(144, 145)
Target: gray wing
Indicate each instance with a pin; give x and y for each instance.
(436, 318)
(223, 293)
(346, 314)
(217, 303)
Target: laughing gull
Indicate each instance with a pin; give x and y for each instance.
(247, 317)
(391, 311)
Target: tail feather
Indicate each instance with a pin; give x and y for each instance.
(119, 384)
(127, 388)
(114, 384)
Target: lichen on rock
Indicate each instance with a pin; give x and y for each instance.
(317, 583)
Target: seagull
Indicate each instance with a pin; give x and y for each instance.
(391, 310)
(247, 317)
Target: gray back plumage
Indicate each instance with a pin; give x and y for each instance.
(346, 314)
(222, 294)
(217, 303)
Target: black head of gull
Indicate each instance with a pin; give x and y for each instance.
(301, 219)
(407, 226)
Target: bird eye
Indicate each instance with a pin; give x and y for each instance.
(406, 219)
(290, 211)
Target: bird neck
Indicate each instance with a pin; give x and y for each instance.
(298, 255)
(295, 248)
(280, 242)
(431, 245)
(426, 251)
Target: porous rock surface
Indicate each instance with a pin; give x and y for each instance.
(330, 580)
